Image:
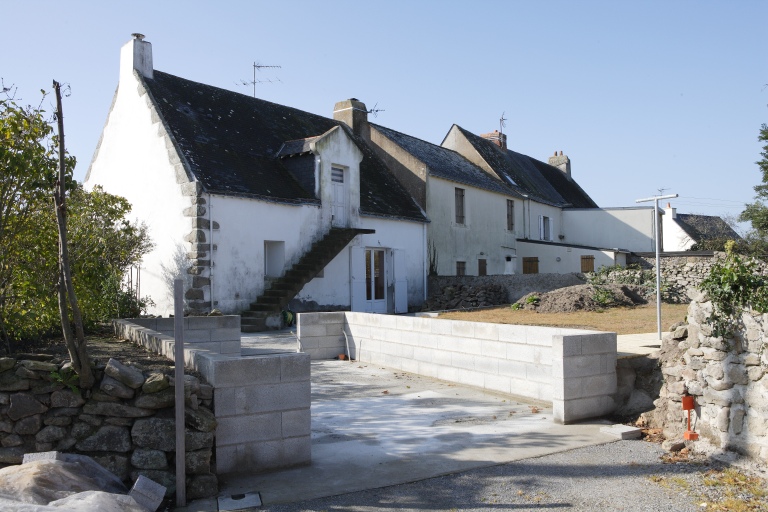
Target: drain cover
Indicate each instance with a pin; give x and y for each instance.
(242, 501)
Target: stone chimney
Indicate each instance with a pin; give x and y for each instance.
(136, 54)
(562, 162)
(498, 138)
(354, 114)
(672, 211)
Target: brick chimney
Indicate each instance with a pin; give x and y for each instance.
(354, 114)
(136, 54)
(498, 138)
(672, 211)
(562, 162)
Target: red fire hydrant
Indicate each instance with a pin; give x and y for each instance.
(689, 404)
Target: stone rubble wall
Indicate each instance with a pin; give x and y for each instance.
(464, 292)
(727, 377)
(126, 422)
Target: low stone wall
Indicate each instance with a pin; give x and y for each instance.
(261, 403)
(573, 369)
(727, 377)
(515, 286)
(125, 422)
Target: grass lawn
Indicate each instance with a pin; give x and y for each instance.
(635, 320)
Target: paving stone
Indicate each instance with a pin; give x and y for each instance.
(147, 493)
(622, 431)
(240, 501)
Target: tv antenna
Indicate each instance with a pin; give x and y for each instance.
(502, 122)
(256, 67)
(375, 111)
(661, 190)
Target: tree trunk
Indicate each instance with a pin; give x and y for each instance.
(78, 350)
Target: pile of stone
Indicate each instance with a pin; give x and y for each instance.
(464, 296)
(125, 423)
(727, 378)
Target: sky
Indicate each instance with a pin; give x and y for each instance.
(642, 96)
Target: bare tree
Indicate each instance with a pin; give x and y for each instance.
(78, 350)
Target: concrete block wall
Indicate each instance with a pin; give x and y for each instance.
(573, 369)
(583, 375)
(220, 334)
(261, 404)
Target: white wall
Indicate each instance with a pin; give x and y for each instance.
(570, 257)
(133, 161)
(484, 230)
(673, 238)
(624, 228)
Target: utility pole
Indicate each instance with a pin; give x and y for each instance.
(656, 200)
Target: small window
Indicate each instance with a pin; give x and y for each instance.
(459, 195)
(482, 267)
(337, 175)
(587, 263)
(461, 268)
(545, 228)
(531, 265)
(510, 215)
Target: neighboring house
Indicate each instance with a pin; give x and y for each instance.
(259, 205)
(682, 230)
(495, 211)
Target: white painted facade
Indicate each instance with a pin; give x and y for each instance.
(246, 238)
(629, 229)
(482, 235)
(674, 238)
(561, 259)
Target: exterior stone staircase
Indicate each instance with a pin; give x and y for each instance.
(283, 289)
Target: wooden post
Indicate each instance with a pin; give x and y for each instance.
(178, 336)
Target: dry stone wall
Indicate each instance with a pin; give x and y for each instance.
(126, 422)
(727, 377)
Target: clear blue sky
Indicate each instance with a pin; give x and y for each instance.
(640, 95)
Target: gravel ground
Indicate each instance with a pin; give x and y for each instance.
(624, 475)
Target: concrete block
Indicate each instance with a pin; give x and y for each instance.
(404, 351)
(463, 329)
(231, 347)
(387, 322)
(226, 334)
(428, 369)
(509, 368)
(582, 366)
(622, 431)
(294, 367)
(423, 354)
(599, 343)
(272, 397)
(427, 340)
(599, 385)
(511, 333)
(498, 383)
(224, 403)
(296, 423)
(211, 346)
(404, 323)
(542, 355)
(584, 408)
(571, 345)
(362, 331)
(462, 361)
(313, 330)
(524, 353)
(442, 326)
(334, 318)
(490, 348)
(538, 372)
(489, 365)
(535, 335)
(147, 493)
(486, 331)
(409, 365)
(245, 371)
(422, 325)
(471, 378)
(448, 373)
(248, 428)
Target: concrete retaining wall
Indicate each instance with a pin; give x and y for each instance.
(575, 370)
(261, 403)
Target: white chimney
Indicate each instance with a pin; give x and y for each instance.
(136, 54)
(672, 211)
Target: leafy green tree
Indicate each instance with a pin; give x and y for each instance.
(757, 212)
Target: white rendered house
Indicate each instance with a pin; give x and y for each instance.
(260, 206)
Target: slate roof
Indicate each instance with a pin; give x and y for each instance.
(231, 143)
(541, 181)
(446, 163)
(705, 227)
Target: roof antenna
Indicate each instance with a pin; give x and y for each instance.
(661, 190)
(502, 122)
(375, 111)
(257, 66)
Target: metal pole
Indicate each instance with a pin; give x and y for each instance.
(657, 241)
(178, 351)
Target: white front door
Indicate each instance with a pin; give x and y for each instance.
(339, 201)
(375, 281)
